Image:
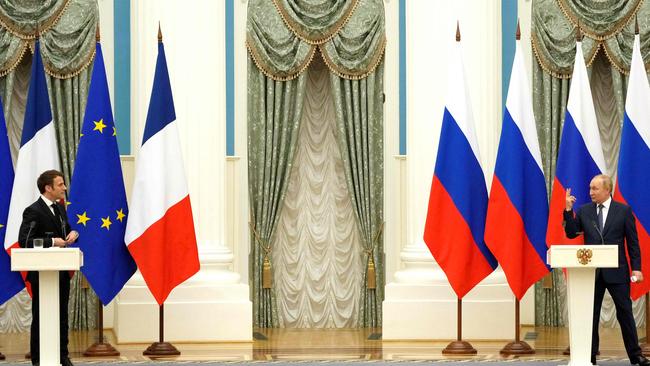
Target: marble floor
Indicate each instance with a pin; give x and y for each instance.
(326, 344)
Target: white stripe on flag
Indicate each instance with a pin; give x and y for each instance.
(36, 156)
(159, 183)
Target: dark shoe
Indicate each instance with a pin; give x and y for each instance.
(643, 361)
(593, 360)
(66, 362)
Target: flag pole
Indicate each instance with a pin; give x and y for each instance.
(517, 347)
(459, 346)
(161, 348)
(100, 348)
(645, 348)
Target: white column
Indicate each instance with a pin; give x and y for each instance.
(213, 305)
(419, 302)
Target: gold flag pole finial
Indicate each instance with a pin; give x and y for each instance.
(578, 34)
(97, 37)
(636, 24)
(159, 33)
(457, 31)
(518, 33)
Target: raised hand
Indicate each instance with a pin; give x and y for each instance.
(570, 200)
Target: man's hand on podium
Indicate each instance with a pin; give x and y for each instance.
(637, 276)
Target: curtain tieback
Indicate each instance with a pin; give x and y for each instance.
(371, 272)
(266, 264)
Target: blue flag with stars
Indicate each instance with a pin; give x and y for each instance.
(97, 209)
(10, 282)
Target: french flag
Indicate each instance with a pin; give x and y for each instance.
(160, 231)
(634, 160)
(38, 150)
(458, 200)
(580, 157)
(515, 229)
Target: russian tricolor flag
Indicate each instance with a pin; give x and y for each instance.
(38, 150)
(160, 230)
(455, 221)
(515, 229)
(580, 157)
(634, 160)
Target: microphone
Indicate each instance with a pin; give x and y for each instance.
(602, 240)
(32, 224)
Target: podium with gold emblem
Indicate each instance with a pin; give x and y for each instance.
(580, 262)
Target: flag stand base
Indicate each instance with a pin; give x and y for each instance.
(161, 349)
(517, 348)
(101, 349)
(459, 348)
(567, 351)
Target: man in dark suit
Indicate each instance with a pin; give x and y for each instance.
(46, 219)
(605, 221)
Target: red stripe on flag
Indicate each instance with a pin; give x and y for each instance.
(506, 237)
(22, 273)
(638, 289)
(555, 229)
(450, 241)
(166, 252)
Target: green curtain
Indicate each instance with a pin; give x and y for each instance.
(360, 135)
(67, 35)
(608, 28)
(274, 110)
(282, 37)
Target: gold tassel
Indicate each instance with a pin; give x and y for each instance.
(266, 273)
(547, 281)
(370, 274)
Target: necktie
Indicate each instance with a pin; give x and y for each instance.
(57, 216)
(600, 217)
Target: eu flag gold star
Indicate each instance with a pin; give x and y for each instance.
(83, 219)
(99, 126)
(114, 131)
(1, 226)
(106, 222)
(120, 214)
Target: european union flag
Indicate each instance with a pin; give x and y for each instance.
(10, 282)
(98, 208)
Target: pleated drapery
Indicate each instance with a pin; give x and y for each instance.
(283, 38)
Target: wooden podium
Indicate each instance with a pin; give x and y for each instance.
(48, 262)
(581, 262)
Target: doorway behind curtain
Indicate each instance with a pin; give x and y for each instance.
(317, 252)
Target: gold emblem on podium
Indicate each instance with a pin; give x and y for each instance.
(584, 256)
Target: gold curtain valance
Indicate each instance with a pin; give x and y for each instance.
(284, 35)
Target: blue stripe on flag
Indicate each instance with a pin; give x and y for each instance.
(575, 166)
(634, 171)
(460, 173)
(524, 183)
(40, 114)
(10, 282)
(161, 106)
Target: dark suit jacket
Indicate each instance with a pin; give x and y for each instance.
(620, 228)
(47, 226)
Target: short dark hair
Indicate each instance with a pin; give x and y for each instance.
(47, 179)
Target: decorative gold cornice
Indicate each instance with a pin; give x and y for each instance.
(9, 25)
(592, 33)
(89, 61)
(17, 58)
(290, 76)
(338, 71)
(295, 27)
(546, 65)
(543, 63)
